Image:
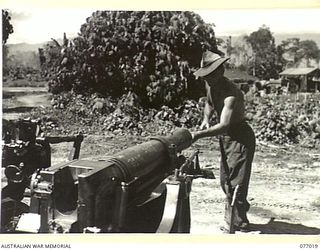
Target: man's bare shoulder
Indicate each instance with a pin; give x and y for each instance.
(231, 89)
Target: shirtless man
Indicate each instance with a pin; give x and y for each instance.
(236, 138)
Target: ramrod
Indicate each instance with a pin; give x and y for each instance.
(144, 188)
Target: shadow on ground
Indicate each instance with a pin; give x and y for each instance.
(17, 109)
(279, 227)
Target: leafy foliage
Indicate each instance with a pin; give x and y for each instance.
(294, 51)
(264, 62)
(7, 27)
(282, 119)
(151, 54)
(277, 119)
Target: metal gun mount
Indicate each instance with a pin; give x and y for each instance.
(24, 152)
(144, 188)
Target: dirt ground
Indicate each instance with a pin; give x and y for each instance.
(284, 193)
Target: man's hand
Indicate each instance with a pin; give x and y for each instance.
(194, 137)
(204, 125)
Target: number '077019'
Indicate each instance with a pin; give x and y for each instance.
(308, 246)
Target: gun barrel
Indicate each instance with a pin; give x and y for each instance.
(153, 155)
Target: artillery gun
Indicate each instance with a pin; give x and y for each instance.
(142, 189)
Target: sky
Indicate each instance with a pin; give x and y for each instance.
(237, 22)
(40, 25)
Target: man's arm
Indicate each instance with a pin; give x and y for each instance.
(223, 125)
(207, 114)
(208, 109)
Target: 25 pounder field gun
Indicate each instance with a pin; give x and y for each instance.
(144, 188)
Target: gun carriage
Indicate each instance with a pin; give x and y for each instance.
(142, 189)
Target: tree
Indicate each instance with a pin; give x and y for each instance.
(295, 51)
(7, 27)
(238, 51)
(263, 63)
(288, 50)
(310, 51)
(150, 53)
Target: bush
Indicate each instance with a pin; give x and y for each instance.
(152, 54)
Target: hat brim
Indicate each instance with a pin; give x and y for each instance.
(212, 67)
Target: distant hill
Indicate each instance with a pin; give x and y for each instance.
(27, 47)
(24, 47)
(25, 54)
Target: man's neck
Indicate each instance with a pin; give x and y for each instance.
(218, 82)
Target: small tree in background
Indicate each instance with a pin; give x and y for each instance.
(264, 61)
(7, 29)
(294, 51)
(310, 51)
